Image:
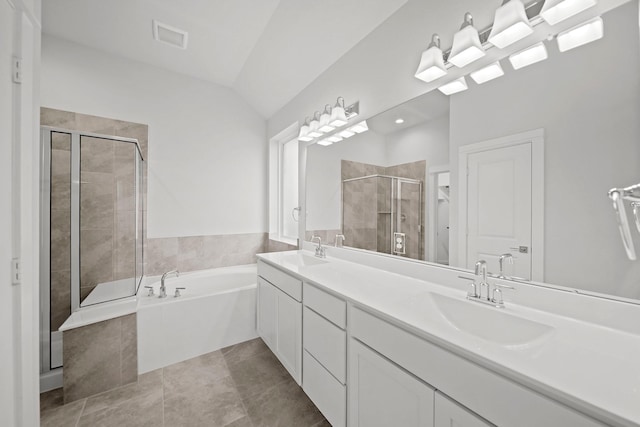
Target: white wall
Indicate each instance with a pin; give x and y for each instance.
(588, 102)
(428, 141)
(207, 146)
(324, 176)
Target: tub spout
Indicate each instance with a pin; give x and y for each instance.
(163, 289)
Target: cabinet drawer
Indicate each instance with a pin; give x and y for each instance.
(326, 342)
(332, 308)
(473, 386)
(287, 284)
(322, 388)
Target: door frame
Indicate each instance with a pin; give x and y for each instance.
(432, 212)
(536, 139)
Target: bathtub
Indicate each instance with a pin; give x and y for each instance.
(217, 309)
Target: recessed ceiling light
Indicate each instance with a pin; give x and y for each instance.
(399, 121)
(170, 35)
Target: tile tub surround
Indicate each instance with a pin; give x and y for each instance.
(99, 357)
(195, 253)
(239, 386)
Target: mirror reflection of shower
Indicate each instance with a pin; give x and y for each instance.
(442, 219)
(91, 226)
(384, 213)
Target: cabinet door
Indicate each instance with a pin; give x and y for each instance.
(289, 334)
(450, 413)
(382, 394)
(267, 300)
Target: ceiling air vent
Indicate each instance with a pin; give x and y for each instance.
(170, 35)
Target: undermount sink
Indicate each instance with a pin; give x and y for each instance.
(303, 260)
(490, 323)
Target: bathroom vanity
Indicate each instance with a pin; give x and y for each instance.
(403, 346)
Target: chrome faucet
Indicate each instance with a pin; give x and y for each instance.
(163, 289)
(319, 249)
(481, 268)
(503, 257)
(339, 237)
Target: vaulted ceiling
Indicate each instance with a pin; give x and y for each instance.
(266, 50)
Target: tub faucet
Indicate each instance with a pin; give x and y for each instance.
(163, 289)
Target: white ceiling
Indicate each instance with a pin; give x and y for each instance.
(422, 109)
(267, 50)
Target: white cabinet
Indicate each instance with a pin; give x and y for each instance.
(267, 303)
(325, 353)
(450, 413)
(280, 317)
(382, 394)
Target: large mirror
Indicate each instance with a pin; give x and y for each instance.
(520, 165)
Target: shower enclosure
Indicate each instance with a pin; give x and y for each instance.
(91, 227)
(383, 213)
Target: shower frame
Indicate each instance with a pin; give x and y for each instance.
(45, 227)
(395, 191)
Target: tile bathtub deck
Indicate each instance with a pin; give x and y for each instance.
(239, 386)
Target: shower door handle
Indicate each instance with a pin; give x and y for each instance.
(293, 213)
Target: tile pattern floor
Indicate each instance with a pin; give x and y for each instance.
(239, 386)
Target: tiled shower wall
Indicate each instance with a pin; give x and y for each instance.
(107, 203)
(366, 207)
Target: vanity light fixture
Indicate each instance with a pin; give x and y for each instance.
(528, 56)
(338, 114)
(334, 138)
(554, 11)
(455, 86)
(399, 121)
(466, 44)
(582, 34)
(346, 133)
(431, 65)
(303, 135)
(490, 72)
(325, 120)
(359, 127)
(314, 126)
(510, 24)
(324, 142)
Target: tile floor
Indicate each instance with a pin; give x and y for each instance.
(239, 386)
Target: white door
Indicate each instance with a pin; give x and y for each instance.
(381, 394)
(289, 334)
(499, 200)
(267, 312)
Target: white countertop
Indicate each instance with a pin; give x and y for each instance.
(593, 368)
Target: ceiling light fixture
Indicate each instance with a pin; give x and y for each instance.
(582, 34)
(490, 72)
(346, 134)
(528, 56)
(431, 65)
(338, 114)
(314, 126)
(455, 86)
(324, 125)
(466, 44)
(510, 24)
(554, 11)
(399, 121)
(359, 127)
(303, 135)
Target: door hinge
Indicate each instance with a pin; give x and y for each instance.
(16, 275)
(17, 70)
